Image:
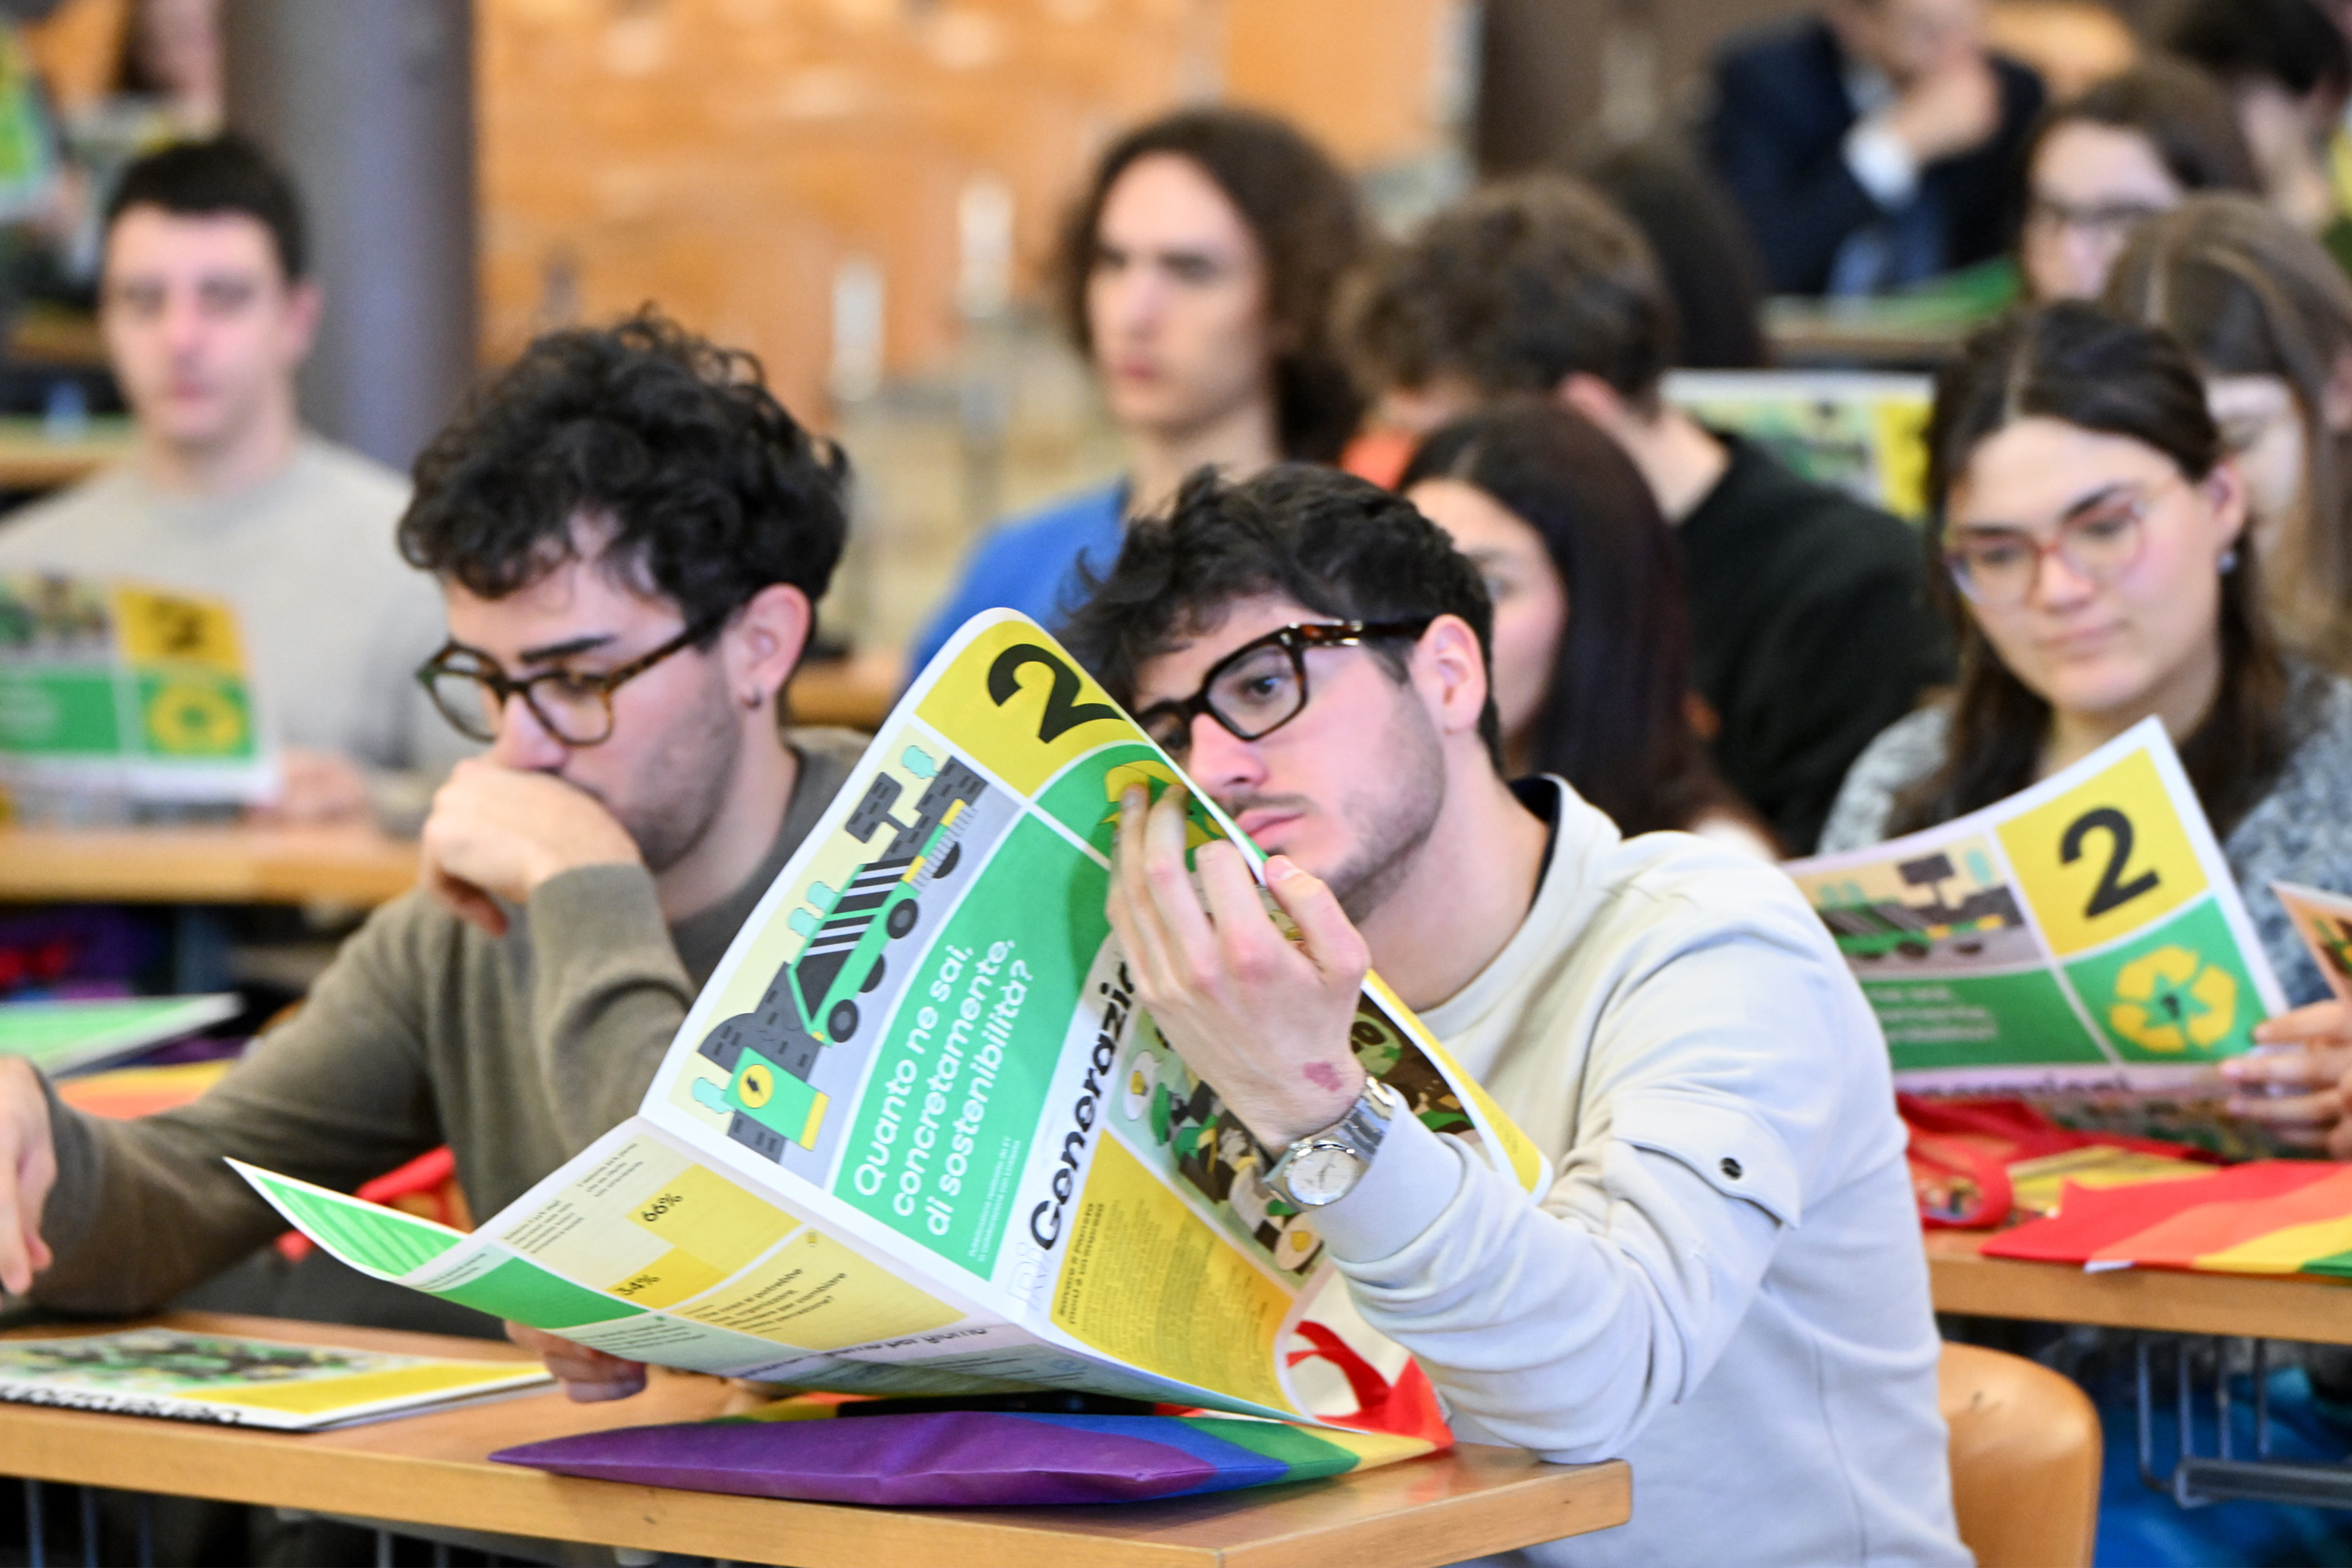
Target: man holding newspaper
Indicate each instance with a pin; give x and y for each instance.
(1725, 1284)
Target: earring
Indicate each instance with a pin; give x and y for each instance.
(2229, 561)
(751, 699)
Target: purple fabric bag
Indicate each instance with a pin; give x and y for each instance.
(964, 1458)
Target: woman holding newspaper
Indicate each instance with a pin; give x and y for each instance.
(2093, 535)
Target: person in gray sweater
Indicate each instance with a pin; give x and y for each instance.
(208, 309)
(630, 533)
(2094, 535)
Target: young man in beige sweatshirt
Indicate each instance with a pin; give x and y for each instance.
(629, 533)
(1724, 1285)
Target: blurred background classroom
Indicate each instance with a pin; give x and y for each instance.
(862, 192)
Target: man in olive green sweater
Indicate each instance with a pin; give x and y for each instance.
(629, 533)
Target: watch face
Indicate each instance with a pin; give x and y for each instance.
(1323, 1173)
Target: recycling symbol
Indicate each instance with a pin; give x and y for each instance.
(186, 719)
(2171, 999)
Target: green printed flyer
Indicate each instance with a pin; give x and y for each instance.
(2082, 931)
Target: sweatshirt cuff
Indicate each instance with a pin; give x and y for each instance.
(1412, 1179)
(1881, 164)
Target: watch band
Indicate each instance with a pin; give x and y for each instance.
(1340, 1154)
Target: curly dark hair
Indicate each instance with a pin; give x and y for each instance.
(225, 174)
(1513, 289)
(713, 490)
(2075, 363)
(1339, 545)
(1309, 224)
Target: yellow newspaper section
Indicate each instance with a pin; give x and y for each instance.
(1208, 1317)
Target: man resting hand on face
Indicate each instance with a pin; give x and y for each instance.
(629, 533)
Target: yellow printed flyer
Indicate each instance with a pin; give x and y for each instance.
(139, 690)
(916, 1135)
(2082, 932)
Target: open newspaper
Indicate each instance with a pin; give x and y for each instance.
(2082, 941)
(138, 693)
(915, 1136)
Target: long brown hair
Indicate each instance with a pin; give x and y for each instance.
(1614, 721)
(2251, 294)
(1309, 226)
(2075, 363)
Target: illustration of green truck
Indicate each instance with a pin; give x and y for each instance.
(770, 1052)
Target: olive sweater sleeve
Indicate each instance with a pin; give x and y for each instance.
(338, 1094)
(517, 1052)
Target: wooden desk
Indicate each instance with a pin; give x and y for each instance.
(204, 865)
(2163, 1301)
(31, 460)
(431, 1471)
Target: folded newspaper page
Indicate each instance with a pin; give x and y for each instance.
(2082, 937)
(2324, 920)
(142, 692)
(916, 1136)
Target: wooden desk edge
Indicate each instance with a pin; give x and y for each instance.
(1432, 1510)
(2313, 1310)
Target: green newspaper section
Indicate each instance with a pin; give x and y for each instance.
(527, 1293)
(1976, 1020)
(958, 1085)
(382, 1239)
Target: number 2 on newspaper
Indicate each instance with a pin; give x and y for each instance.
(2105, 858)
(1058, 708)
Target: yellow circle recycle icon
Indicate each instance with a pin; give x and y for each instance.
(2171, 999)
(187, 718)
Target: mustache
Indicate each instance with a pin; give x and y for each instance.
(1236, 804)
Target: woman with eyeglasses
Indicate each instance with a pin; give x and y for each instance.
(1592, 643)
(2099, 165)
(2092, 533)
(2267, 315)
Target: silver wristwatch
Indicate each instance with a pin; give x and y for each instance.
(1324, 1167)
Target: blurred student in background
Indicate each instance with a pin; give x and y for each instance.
(1810, 624)
(208, 309)
(2288, 71)
(1196, 274)
(2101, 164)
(1591, 650)
(2267, 316)
(2092, 527)
(1874, 145)
(1702, 246)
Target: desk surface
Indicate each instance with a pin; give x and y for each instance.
(204, 865)
(2166, 1301)
(432, 1470)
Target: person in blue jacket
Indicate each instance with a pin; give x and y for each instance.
(1196, 274)
(1874, 145)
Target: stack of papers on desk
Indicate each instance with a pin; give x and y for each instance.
(67, 1036)
(241, 1381)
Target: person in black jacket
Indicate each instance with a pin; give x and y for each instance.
(1874, 145)
(1808, 612)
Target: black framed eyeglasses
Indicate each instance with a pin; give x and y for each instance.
(472, 692)
(1261, 685)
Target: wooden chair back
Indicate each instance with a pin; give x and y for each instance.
(2025, 1460)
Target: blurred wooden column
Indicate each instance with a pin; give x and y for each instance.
(371, 104)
